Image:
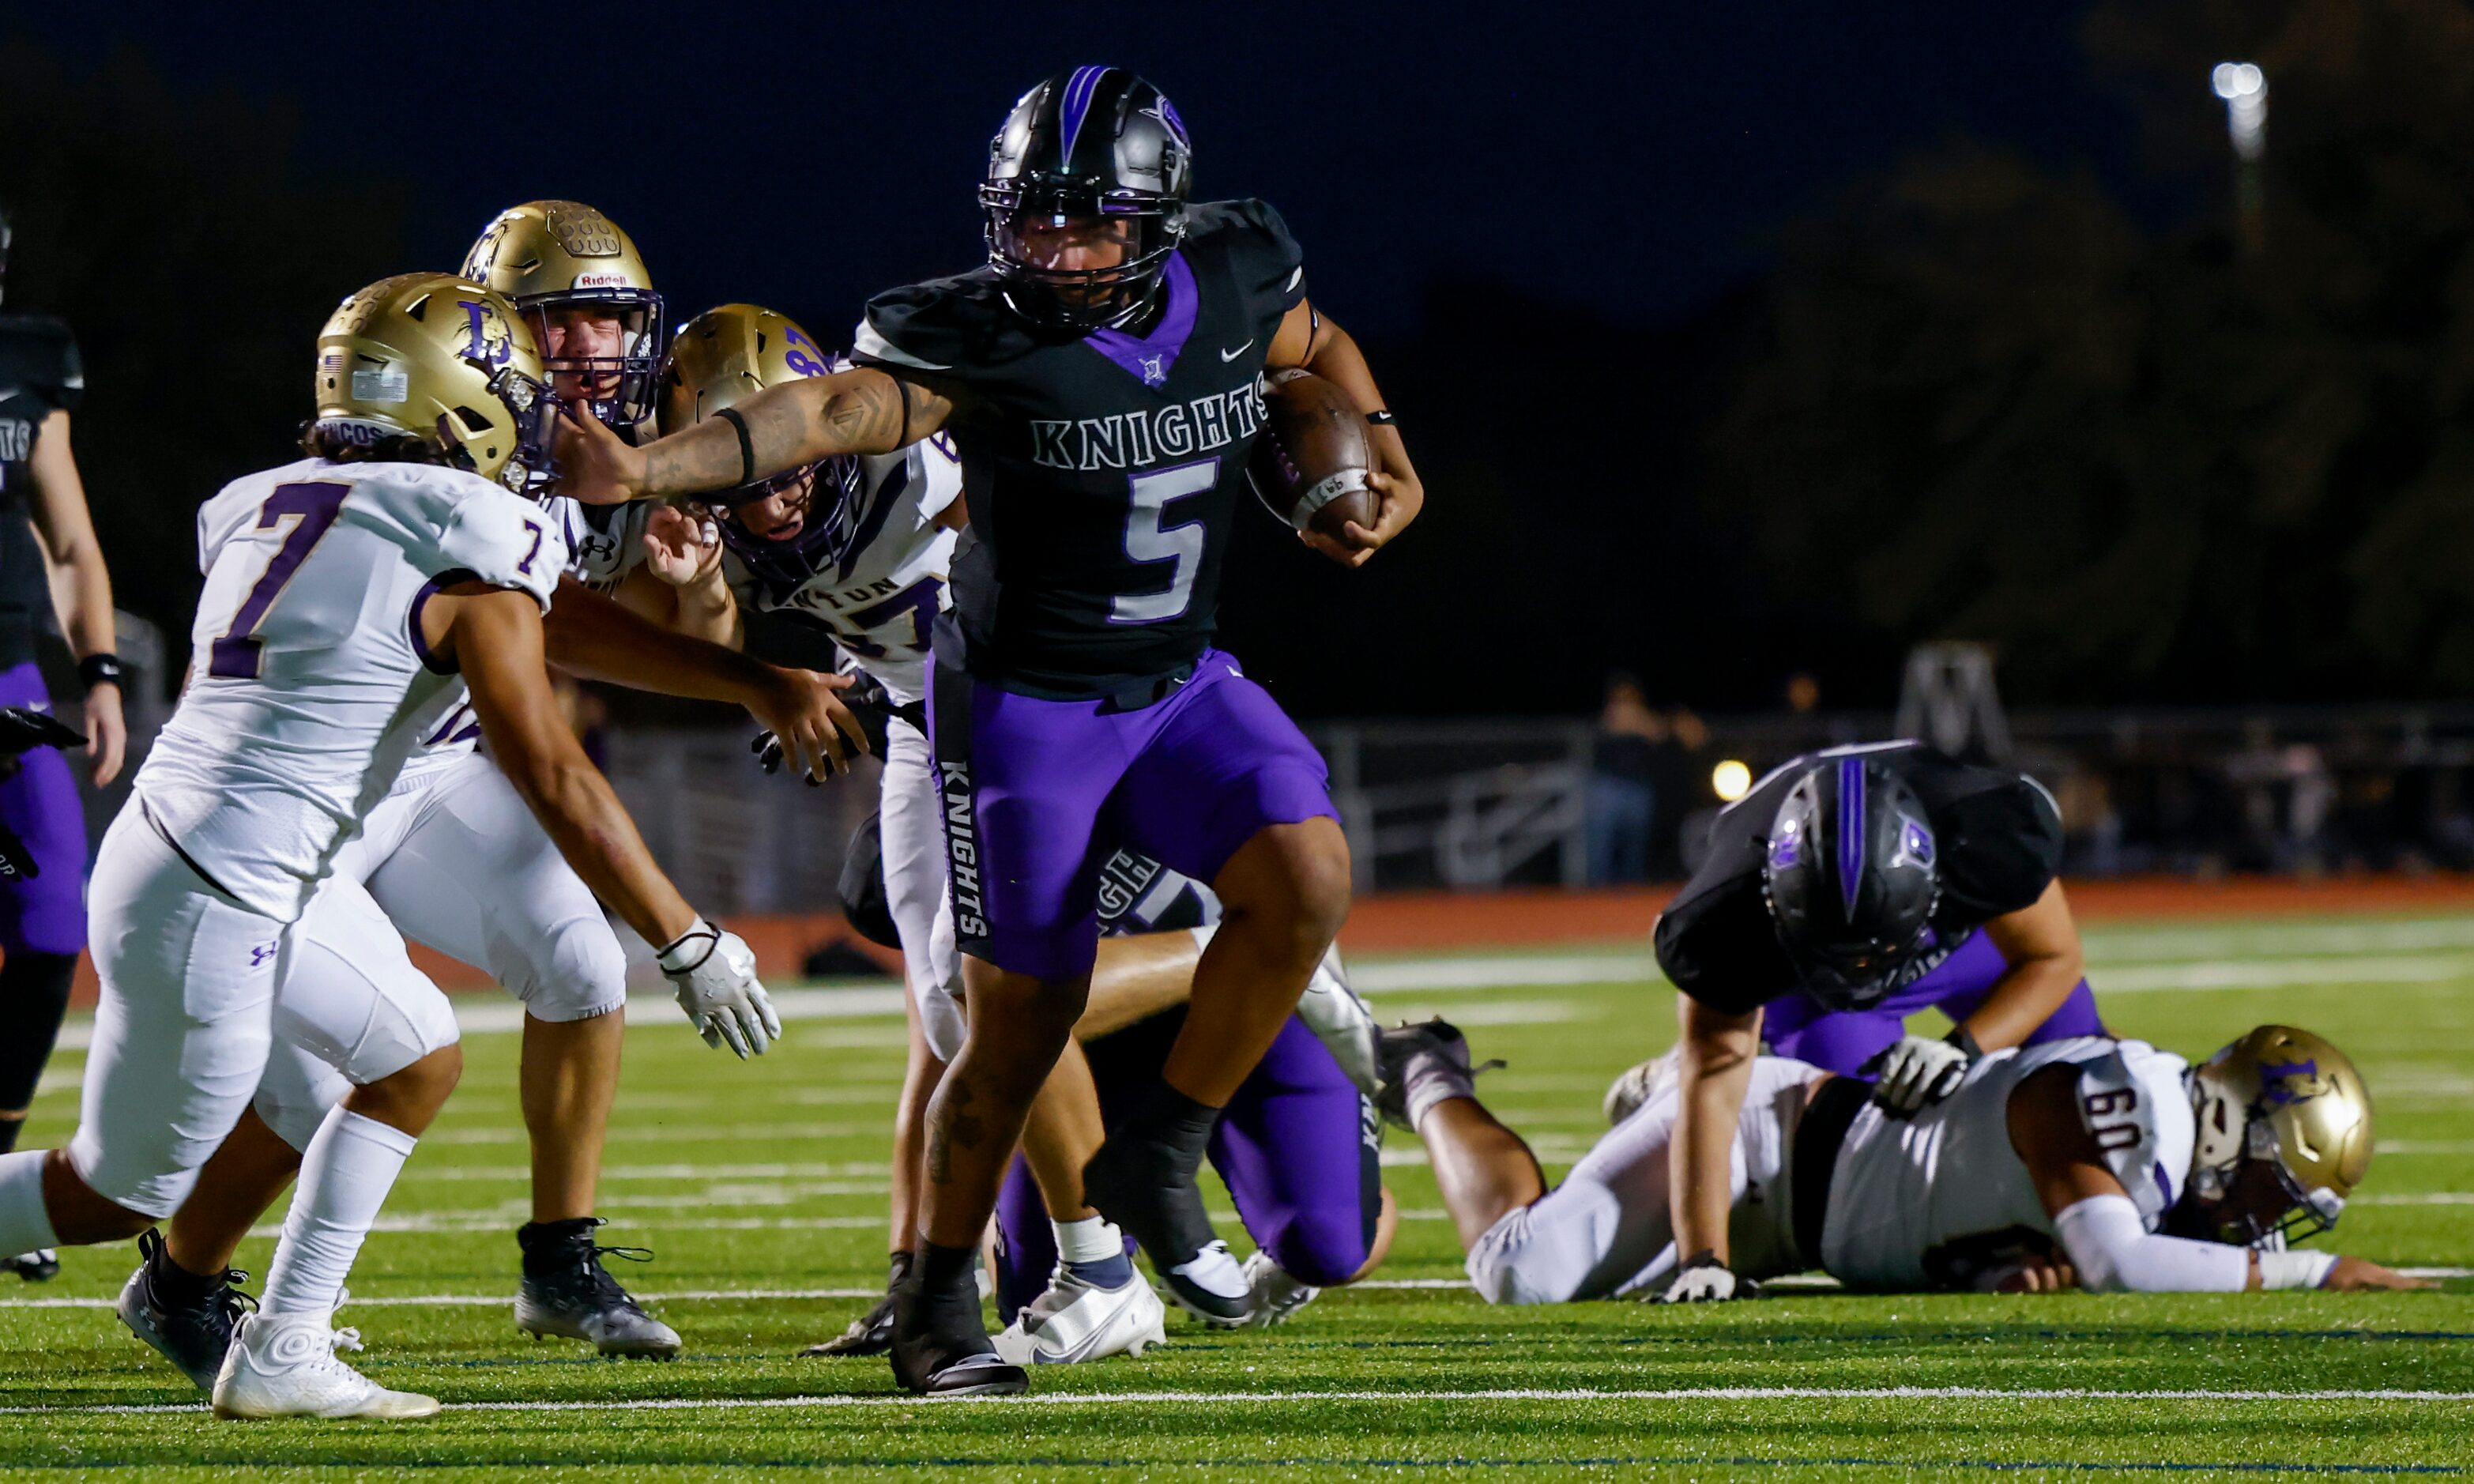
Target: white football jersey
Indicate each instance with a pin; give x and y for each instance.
(310, 683)
(877, 581)
(1912, 1200)
(604, 543)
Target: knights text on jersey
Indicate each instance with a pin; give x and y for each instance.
(873, 574)
(39, 374)
(1926, 1201)
(1998, 838)
(1103, 470)
(312, 680)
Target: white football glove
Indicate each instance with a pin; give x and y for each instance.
(715, 975)
(1704, 1280)
(1918, 1070)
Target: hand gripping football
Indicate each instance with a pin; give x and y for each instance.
(1312, 457)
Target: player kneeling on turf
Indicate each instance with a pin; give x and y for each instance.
(2109, 1161)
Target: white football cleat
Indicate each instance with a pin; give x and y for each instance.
(1342, 1021)
(1636, 1085)
(284, 1365)
(1277, 1294)
(1077, 1321)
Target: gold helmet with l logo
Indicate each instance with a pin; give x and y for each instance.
(444, 360)
(725, 355)
(583, 287)
(2284, 1134)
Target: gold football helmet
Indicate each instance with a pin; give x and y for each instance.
(583, 287)
(2284, 1134)
(445, 359)
(723, 357)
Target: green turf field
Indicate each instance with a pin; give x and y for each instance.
(760, 1187)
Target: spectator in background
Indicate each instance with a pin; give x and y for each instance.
(1623, 795)
(1680, 776)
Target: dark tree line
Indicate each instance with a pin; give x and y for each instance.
(1978, 396)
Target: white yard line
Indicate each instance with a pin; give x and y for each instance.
(1228, 1398)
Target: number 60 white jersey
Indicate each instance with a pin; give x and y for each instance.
(874, 575)
(1910, 1194)
(310, 681)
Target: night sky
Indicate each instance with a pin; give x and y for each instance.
(1636, 158)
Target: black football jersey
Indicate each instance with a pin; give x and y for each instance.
(1101, 469)
(39, 374)
(1997, 834)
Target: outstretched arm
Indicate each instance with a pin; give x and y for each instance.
(81, 586)
(1713, 1071)
(497, 639)
(593, 638)
(787, 427)
(1309, 341)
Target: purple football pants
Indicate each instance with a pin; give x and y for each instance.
(1843, 1040)
(1298, 1148)
(38, 803)
(1037, 793)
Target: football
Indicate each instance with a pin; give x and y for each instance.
(1311, 460)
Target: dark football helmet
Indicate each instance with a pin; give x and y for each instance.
(1097, 148)
(1850, 880)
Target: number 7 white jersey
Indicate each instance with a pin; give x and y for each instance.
(309, 680)
(1913, 1199)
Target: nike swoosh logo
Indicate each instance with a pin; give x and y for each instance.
(1225, 357)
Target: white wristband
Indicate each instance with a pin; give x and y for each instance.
(2296, 1270)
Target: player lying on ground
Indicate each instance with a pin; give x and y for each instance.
(2106, 1163)
(1101, 378)
(49, 559)
(344, 594)
(1848, 891)
(1298, 1147)
(456, 862)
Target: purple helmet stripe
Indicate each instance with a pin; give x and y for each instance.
(1071, 108)
(1851, 832)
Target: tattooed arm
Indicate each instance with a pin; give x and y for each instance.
(858, 411)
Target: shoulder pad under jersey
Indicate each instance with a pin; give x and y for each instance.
(45, 353)
(2132, 1102)
(1267, 261)
(504, 540)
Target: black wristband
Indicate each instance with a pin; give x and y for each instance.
(97, 669)
(1965, 1042)
(746, 450)
(1382, 418)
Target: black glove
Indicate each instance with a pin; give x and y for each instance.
(23, 729)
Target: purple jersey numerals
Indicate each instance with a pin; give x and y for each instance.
(313, 507)
(920, 599)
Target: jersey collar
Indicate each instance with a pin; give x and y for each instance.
(1149, 358)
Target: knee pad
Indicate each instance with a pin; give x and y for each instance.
(579, 971)
(296, 1092)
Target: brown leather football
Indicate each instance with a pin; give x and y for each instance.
(1312, 457)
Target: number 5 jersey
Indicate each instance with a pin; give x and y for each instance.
(309, 680)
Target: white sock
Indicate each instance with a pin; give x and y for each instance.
(1088, 1240)
(346, 1173)
(25, 1220)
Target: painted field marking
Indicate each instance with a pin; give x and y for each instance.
(488, 1301)
(1228, 1398)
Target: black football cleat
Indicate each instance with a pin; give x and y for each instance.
(869, 1334)
(567, 1292)
(39, 1265)
(191, 1333)
(1147, 1186)
(940, 1347)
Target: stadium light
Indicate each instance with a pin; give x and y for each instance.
(1730, 780)
(2244, 90)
